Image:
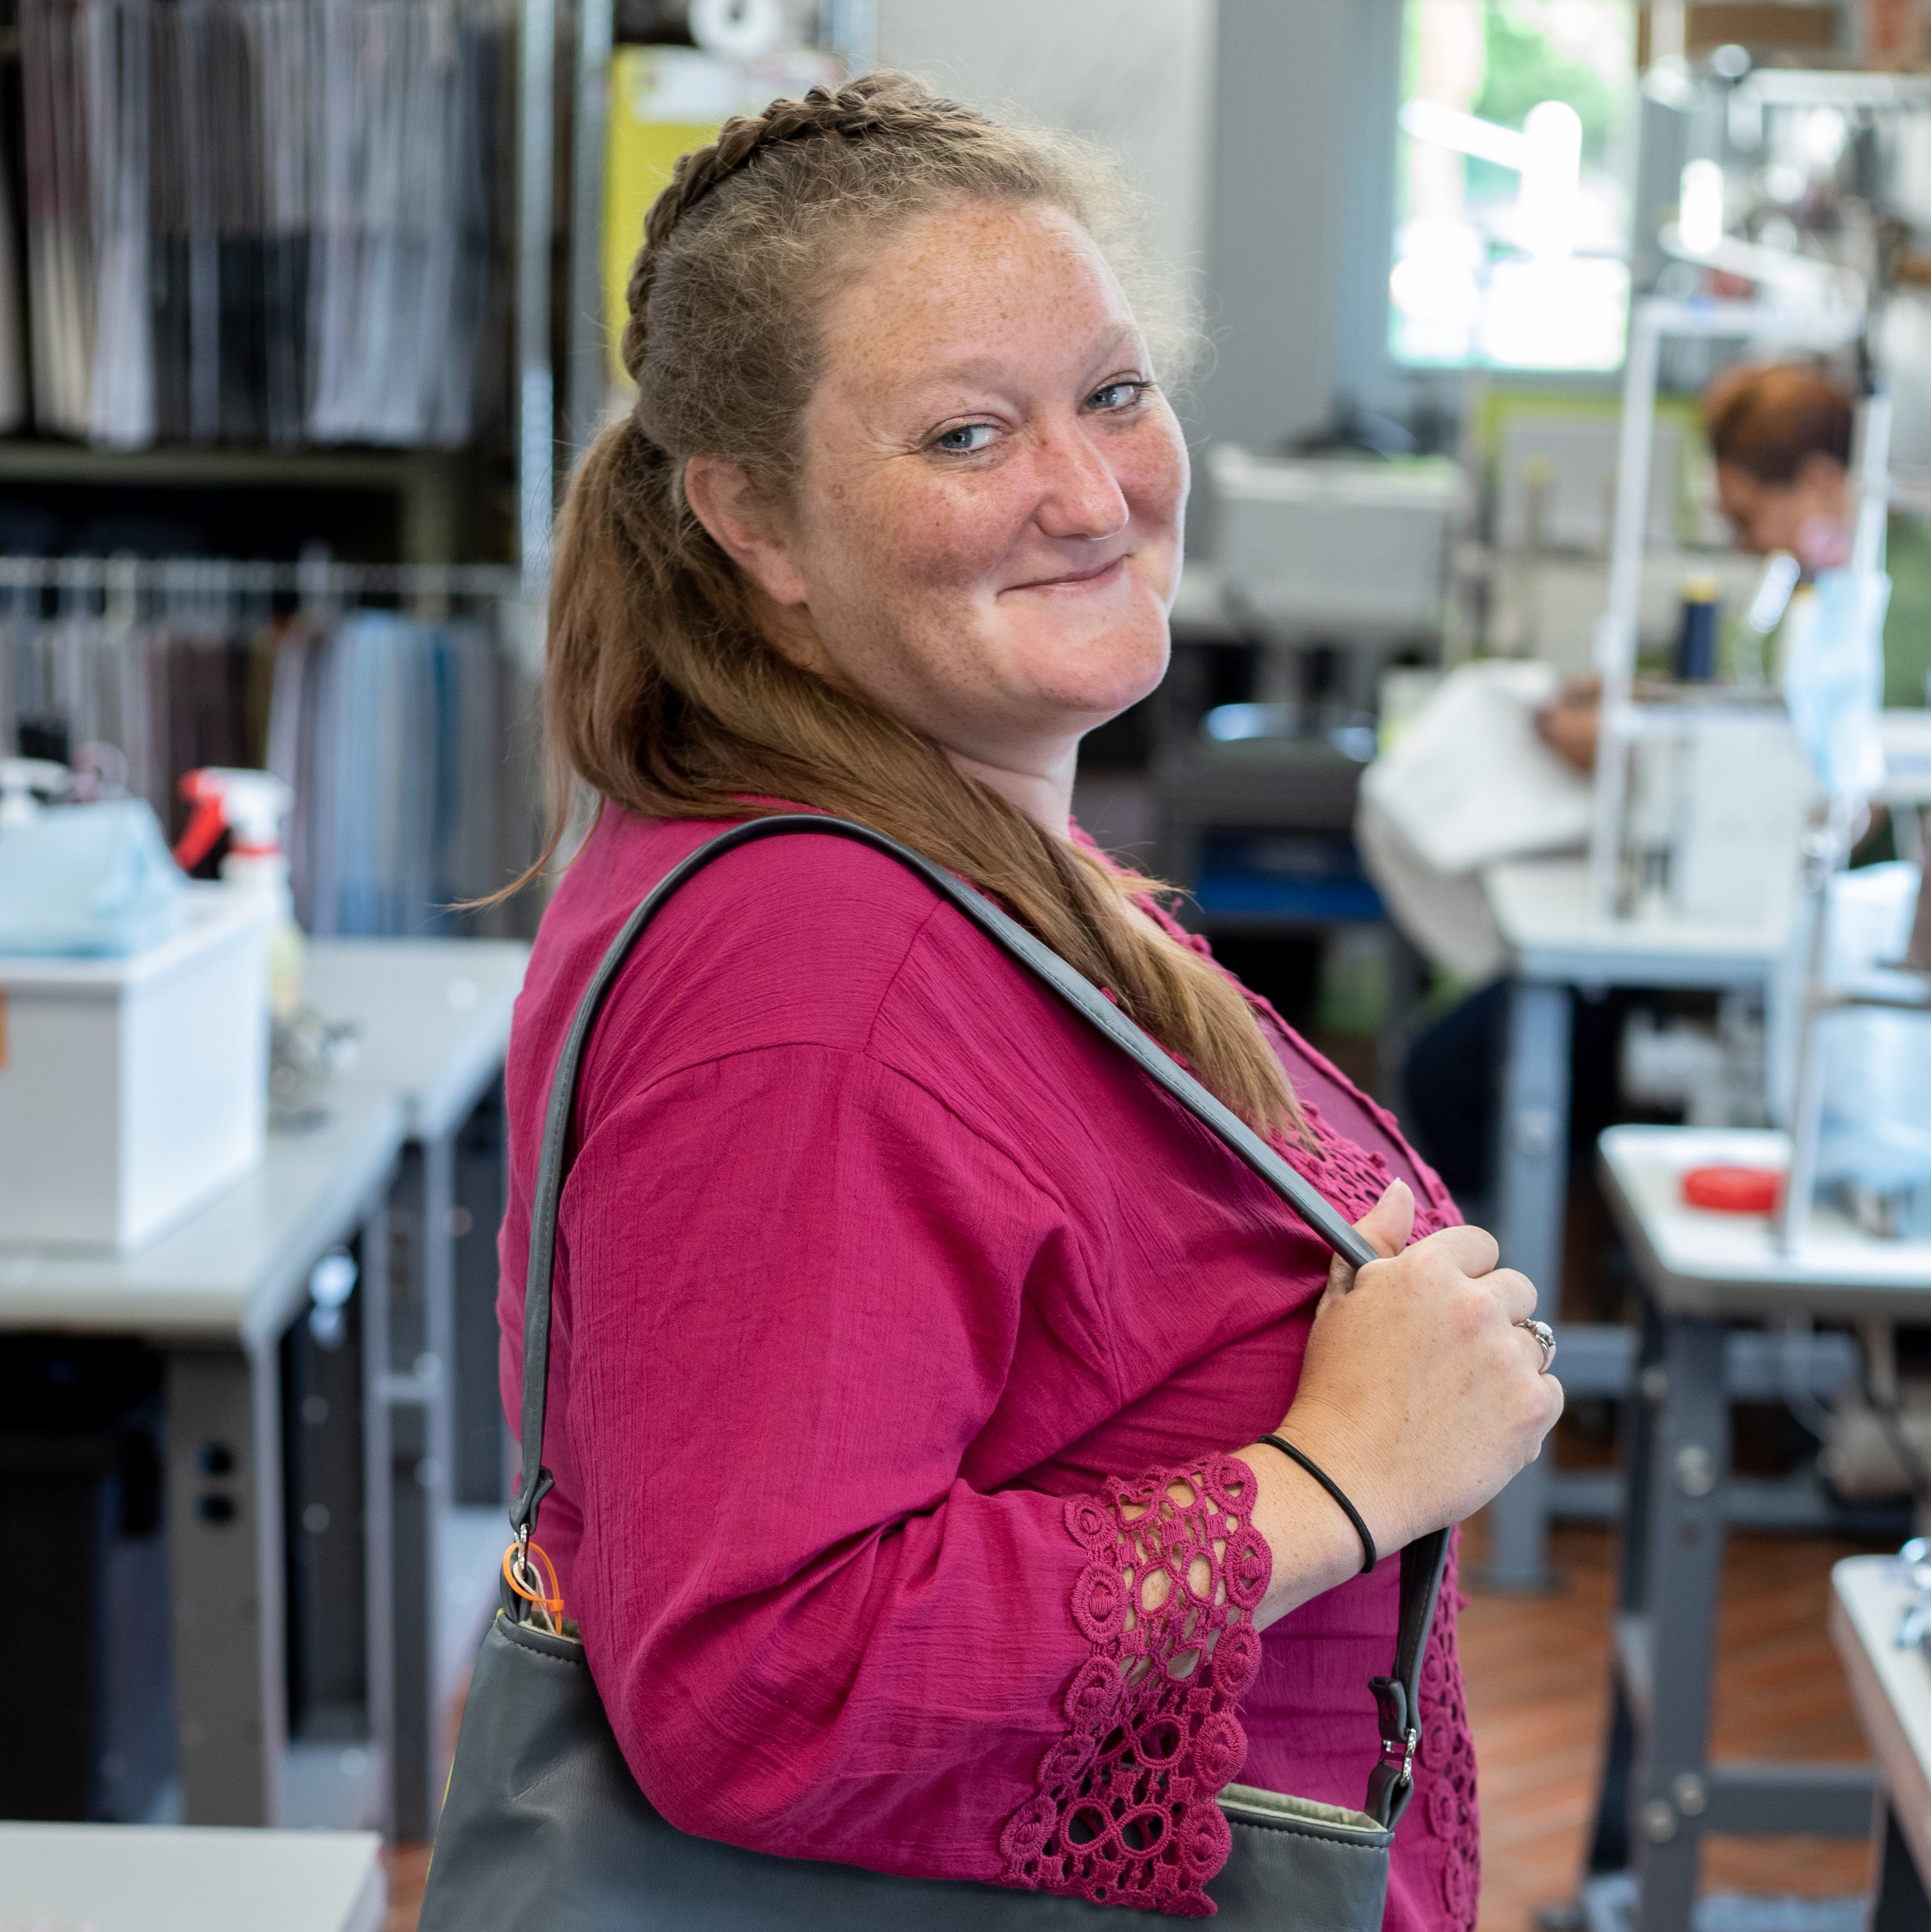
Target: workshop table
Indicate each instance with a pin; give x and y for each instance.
(1558, 946)
(1702, 1272)
(432, 1022)
(407, 1167)
(134, 1878)
(215, 1295)
(1891, 1687)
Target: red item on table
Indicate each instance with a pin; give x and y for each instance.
(1734, 1190)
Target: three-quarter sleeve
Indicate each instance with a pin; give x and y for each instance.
(793, 1285)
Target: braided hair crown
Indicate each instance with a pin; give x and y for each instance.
(754, 232)
(879, 106)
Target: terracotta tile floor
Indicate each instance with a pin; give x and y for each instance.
(1537, 1675)
(408, 1866)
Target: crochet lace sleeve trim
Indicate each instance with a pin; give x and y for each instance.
(1125, 1811)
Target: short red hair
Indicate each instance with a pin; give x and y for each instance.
(1766, 422)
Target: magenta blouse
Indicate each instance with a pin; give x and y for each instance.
(890, 1301)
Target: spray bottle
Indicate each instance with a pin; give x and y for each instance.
(249, 806)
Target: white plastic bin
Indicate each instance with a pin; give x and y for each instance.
(132, 1090)
(1322, 545)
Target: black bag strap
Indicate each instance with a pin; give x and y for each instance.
(1421, 1562)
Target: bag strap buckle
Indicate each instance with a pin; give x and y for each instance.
(1405, 1744)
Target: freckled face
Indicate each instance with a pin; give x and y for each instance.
(986, 533)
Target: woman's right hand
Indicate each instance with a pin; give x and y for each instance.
(1417, 1382)
(1418, 1394)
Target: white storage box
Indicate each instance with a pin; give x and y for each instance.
(1320, 544)
(131, 1090)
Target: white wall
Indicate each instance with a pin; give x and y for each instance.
(1136, 76)
(1302, 197)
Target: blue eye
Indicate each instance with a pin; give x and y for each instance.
(966, 440)
(1117, 395)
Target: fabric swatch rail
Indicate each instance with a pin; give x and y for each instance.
(397, 703)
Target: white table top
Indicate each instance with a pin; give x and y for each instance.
(432, 1017)
(137, 1878)
(1890, 1687)
(1543, 910)
(1695, 1261)
(238, 1267)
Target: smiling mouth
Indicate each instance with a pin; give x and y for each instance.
(1077, 580)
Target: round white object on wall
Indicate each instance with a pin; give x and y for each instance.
(738, 29)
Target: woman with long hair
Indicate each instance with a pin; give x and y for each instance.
(911, 1348)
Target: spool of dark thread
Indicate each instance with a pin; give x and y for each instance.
(1697, 637)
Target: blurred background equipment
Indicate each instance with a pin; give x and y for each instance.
(1317, 545)
(1318, 551)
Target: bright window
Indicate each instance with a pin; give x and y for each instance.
(1517, 153)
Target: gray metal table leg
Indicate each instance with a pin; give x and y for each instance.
(476, 1403)
(1609, 1838)
(1667, 1652)
(1901, 1905)
(1532, 1194)
(416, 1382)
(379, 1542)
(224, 1510)
(340, 1681)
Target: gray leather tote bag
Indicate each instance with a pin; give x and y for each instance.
(544, 1829)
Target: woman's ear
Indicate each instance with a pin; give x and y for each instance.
(748, 525)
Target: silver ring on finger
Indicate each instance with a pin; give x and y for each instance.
(1544, 1335)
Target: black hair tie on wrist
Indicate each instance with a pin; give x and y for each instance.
(1370, 1556)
